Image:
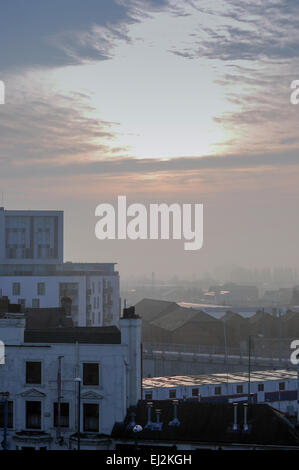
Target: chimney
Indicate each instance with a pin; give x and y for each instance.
(132, 423)
(157, 426)
(12, 330)
(245, 426)
(149, 412)
(130, 327)
(235, 426)
(129, 313)
(175, 421)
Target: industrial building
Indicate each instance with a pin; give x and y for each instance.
(278, 388)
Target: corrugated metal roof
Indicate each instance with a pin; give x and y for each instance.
(221, 378)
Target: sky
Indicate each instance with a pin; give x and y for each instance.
(161, 101)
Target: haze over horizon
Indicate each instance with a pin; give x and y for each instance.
(161, 101)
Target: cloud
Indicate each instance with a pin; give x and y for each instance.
(247, 30)
(123, 166)
(57, 34)
(54, 129)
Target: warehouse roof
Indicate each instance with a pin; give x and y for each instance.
(149, 309)
(179, 316)
(221, 378)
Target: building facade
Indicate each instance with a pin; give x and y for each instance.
(41, 373)
(33, 274)
(278, 388)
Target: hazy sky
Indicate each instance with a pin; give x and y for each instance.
(162, 101)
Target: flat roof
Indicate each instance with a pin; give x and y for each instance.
(221, 378)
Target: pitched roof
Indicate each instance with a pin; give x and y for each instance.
(234, 317)
(212, 423)
(179, 316)
(87, 335)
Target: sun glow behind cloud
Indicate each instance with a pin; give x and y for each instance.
(164, 103)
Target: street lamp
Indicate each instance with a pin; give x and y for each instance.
(249, 361)
(137, 429)
(78, 380)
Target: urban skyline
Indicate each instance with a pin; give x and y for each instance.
(161, 101)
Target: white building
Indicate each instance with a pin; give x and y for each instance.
(32, 272)
(40, 371)
(278, 388)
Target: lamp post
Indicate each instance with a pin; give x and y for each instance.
(4, 402)
(249, 361)
(78, 380)
(137, 429)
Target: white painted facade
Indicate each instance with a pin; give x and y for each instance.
(119, 384)
(91, 306)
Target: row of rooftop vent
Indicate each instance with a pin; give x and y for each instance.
(158, 424)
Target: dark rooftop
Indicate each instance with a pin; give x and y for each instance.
(87, 335)
(212, 423)
(149, 309)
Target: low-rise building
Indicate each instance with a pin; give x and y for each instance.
(40, 379)
(175, 426)
(278, 388)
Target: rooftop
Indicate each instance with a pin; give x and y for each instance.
(211, 423)
(221, 378)
(82, 335)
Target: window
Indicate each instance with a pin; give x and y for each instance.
(195, 392)
(33, 372)
(35, 303)
(90, 374)
(172, 393)
(260, 387)
(217, 390)
(22, 302)
(149, 396)
(33, 414)
(41, 288)
(64, 415)
(239, 388)
(9, 415)
(16, 288)
(90, 417)
(281, 386)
